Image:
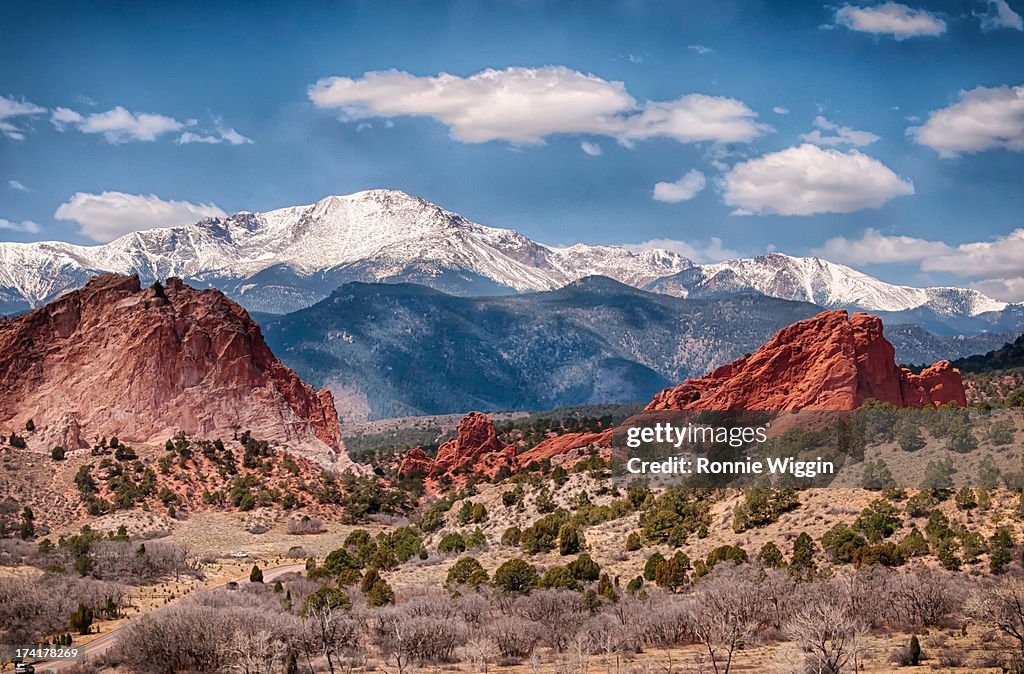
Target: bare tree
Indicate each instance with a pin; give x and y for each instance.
(515, 637)
(1002, 607)
(826, 631)
(725, 613)
(925, 596)
(327, 630)
(559, 612)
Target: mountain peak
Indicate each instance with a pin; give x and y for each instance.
(289, 258)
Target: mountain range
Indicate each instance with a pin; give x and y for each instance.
(291, 258)
(401, 349)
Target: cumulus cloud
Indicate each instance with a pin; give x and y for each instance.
(10, 110)
(892, 18)
(683, 189)
(1002, 257)
(873, 247)
(525, 105)
(117, 125)
(807, 179)
(983, 119)
(1001, 15)
(700, 49)
(106, 216)
(593, 149)
(779, 110)
(25, 226)
(998, 264)
(17, 186)
(840, 135)
(699, 251)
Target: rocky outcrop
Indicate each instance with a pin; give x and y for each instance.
(415, 462)
(143, 363)
(562, 444)
(830, 362)
(475, 449)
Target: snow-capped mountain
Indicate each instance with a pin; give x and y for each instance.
(827, 284)
(290, 258)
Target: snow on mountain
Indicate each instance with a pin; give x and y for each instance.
(292, 257)
(824, 283)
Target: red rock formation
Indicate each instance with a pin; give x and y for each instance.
(561, 444)
(475, 449)
(830, 362)
(141, 364)
(415, 462)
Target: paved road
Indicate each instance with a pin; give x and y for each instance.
(103, 643)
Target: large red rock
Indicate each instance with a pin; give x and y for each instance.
(475, 449)
(116, 359)
(562, 444)
(830, 362)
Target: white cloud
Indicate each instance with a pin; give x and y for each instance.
(1005, 289)
(983, 119)
(1001, 15)
(525, 105)
(698, 251)
(221, 135)
(11, 109)
(892, 18)
(841, 135)
(1002, 257)
(25, 226)
(17, 186)
(700, 49)
(999, 264)
(779, 110)
(683, 189)
(593, 149)
(873, 247)
(117, 125)
(106, 216)
(807, 179)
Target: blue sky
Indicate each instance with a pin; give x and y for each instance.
(888, 136)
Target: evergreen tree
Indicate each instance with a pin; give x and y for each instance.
(81, 619)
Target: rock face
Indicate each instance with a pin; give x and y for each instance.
(142, 364)
(830, 362)
(562, 444)
(475, 449)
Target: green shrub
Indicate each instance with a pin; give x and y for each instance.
(770, 556)
(584, 568)
(515, 576)
(673, 574)
(511, 537)
(453, 542)
(466, 571)
(569, 540)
